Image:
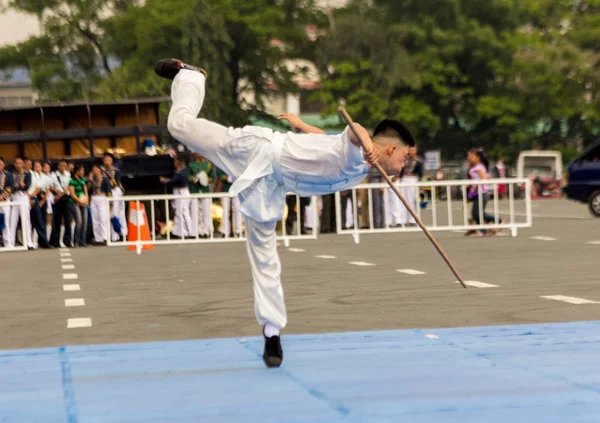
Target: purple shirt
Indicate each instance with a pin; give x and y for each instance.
(474, 174)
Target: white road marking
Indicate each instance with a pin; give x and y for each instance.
(476, 284)
(570, 300)
(296, 250)
(74, 287)
(66, 260)
(326, 257)
(543, 238)
(65, 254)
(68, 266)
(410, 271)
(432, 336)
(80, 322)
(361, 263)
(594, 243)
(69, 275)
(74, 302)
(63, 250)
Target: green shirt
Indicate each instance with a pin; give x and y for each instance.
(224, 178)
(196, 167)
(79, 185)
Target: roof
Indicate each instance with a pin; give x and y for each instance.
(91, 103)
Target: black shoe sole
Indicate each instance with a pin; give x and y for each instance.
(275, 356)
(272, 362)
(169, 68)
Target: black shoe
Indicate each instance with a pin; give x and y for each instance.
(273, 354)
(45, 246)
(169, 68)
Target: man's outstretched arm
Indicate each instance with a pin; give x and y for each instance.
(299, 125)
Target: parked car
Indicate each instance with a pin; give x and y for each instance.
(583, 179)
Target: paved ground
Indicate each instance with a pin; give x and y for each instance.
(204, 291)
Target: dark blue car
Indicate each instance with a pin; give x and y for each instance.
(583, 179)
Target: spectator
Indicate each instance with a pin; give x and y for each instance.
(499, 172)
(183, 220)
(28, 165)
(478, 171)
(37, 195)
(6, 185)
(200, 179)
(78, 201)
(99, 189)
(60, 208)
(118, 206)
(292, 215)
(223, 185)
(411, 173)
(47, 211)
(328, 214)
(21, 184)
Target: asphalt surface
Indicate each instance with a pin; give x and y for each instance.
(205, 291)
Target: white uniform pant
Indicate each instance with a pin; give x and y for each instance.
(225, 228)
(6, 233)
(393, 207)
(183, 219)
(202, 216)
(205, 137)
(99, 208)
(15, 216)
(118, 210)
(410, 194)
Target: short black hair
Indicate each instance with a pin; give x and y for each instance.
(17, 158)
(95, 165)
(77, 167)
(63, 161)
(403, 132)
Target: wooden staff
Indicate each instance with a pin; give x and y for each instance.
(346, 117)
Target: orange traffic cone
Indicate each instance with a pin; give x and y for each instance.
(138, 221)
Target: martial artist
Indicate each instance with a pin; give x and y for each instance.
(118, 206)
(268, 164)
(183, 219)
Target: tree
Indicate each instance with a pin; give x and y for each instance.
(70, 56)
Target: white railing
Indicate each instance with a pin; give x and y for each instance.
(451, 212)
(153, 202)
(9, 207)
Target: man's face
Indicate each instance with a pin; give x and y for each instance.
(71, 166)
(18, 165)
(37, 167)
(46, 168)
(108, 161)
(62, 166)
(96, 171)
(393, 164)
(27, 165)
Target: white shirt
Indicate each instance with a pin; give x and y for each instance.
(60, 181)
(305, 164)
(40, 181)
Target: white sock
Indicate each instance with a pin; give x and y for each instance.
(271, 330)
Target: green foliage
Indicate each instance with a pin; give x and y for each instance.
(503, 74)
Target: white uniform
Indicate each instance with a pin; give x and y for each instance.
(410, 194)
(392, 207)
(183, 219)
(118, 210)
(266, 164)
(7, 212)
(21, 213)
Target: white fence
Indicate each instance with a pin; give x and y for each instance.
(8, 208)
(152, 204)
(447, 208)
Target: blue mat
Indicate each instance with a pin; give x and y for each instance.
(532, 373)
